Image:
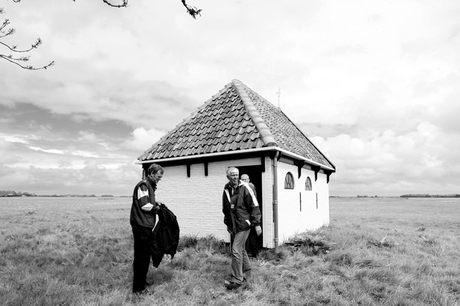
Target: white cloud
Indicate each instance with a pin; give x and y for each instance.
(85, 154)
(51, 151)
(88, 137)
(428, 130)
(143, 139)
(416, 157)
(18, 138)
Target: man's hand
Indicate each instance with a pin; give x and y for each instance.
(258, 230)
(156, 208)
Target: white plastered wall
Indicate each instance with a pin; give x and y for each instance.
(197, 200)
(297, 209)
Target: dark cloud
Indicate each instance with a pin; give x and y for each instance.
(120, 100)
(57, 129)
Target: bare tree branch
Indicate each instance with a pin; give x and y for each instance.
(14, 48)
(193, 11)
(3, 26)
(124, 4)
(20, 61)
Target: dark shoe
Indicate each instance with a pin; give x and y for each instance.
(148, 284)
(234, 286)
(146, 291)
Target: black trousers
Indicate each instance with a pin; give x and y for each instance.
(141, 257)
(252, 246)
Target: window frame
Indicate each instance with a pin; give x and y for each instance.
(308, 184)
(289, 182)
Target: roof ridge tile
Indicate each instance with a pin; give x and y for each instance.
(264, 131)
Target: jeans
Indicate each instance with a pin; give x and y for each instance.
(240, 259)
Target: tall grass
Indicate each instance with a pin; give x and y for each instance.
(375, 252)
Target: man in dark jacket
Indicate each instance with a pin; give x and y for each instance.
(252, 246)
(241, 213)
(143, 220)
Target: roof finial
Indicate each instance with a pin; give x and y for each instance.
(279, 94)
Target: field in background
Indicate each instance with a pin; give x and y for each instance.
(436, 214)
(384, 251)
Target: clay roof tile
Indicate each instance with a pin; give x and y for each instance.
(236, 118)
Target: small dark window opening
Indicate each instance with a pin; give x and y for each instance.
(308, 184)
(316, 200)
(300, 200)
(289, 181)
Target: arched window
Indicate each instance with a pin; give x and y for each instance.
(308, 183)
(289, 181)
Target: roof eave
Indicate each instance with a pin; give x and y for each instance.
(262, 149)
(307, 160)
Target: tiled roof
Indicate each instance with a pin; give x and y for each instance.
(236, 118)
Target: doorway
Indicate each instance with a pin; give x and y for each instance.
(254, 243)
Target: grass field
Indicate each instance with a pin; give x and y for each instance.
(384, 251)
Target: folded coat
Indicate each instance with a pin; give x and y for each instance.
(165, 235)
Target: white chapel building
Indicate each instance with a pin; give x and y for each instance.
(237, 127)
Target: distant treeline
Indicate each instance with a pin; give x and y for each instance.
(431, 195)
(11, 193)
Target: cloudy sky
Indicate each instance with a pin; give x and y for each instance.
(374, 84)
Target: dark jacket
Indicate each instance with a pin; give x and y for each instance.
(165, 235)
(246, 211)
(138, 216)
